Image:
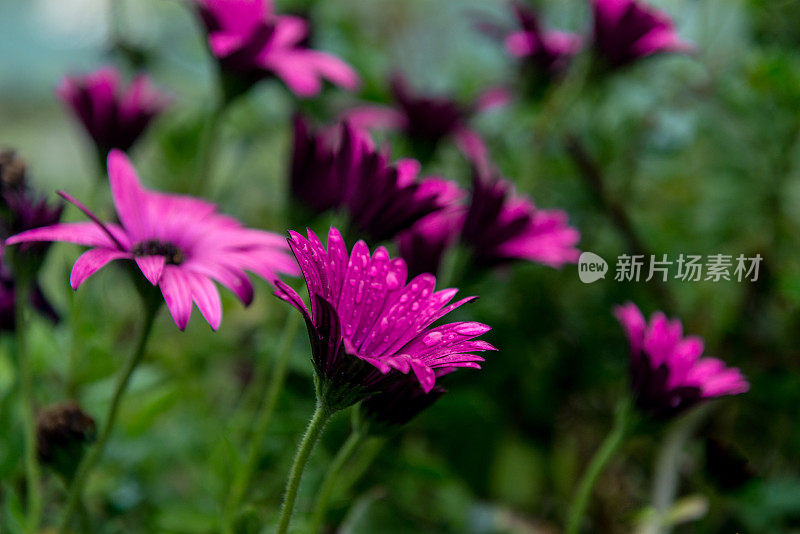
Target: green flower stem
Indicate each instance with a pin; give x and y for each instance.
(76, 488)
(310, 438)
(599, 461)
(208, 149)
(665, 481)
(32, 470)
(244, 475)
(331, 477)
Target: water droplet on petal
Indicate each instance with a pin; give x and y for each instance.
(470, 329)
(392, 281)
(432, 338)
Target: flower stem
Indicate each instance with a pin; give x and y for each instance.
(665, 481)
(89, 462)
(331, 476)
(596, 182)
(599, 461)
(313, 431)
(208, 149)
(242, 478)
(32, 471)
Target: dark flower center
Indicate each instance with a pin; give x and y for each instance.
(154, 247)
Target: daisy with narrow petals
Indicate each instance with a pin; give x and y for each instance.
(368, 326)
(252, 42)
(668, 374)
(180, 243)
(370, 333)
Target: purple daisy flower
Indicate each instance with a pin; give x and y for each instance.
(368, 327)
(252, 42)
(427, 120)
(548, 53)
(180, 244)
(668, 374)
(628, 30)
(114, 116)
(500, 226)
(344, 170)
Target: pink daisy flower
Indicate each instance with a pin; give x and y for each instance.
(114, 115)
(668, 374)
(427, 120)
(627, 30)
(549, 53)
(180, 244)
(368, 327)
(252, 42)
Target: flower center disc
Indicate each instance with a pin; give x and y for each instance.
(172, 254)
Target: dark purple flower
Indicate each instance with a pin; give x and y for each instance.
(627, 30)
(427, 120)
(114, 116)
(343, 170)
(398, 404)
(8, 299)
(668, 374)
(252, 42)
(368, 327)
(21, 209)
(548, 53)
(500, 226)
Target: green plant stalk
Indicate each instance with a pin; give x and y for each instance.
(91, 459)
(602, 456)
(244, 475)
(331, 477)
(32, 469)
(665, 481)
(208, 149)
(321, 416)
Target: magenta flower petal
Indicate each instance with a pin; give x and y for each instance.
(668, 374)
(92, 260)
(179, 243)
(152, 267)
(367, 327)
(127, 194)
(177, 293)
(206, 296)
(87, 234)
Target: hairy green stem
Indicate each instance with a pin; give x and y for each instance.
(91, 459)
(310, 438)
(244, 475)
(331, 477)
(599, 461)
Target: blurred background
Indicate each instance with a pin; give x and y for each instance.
(701, 149)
